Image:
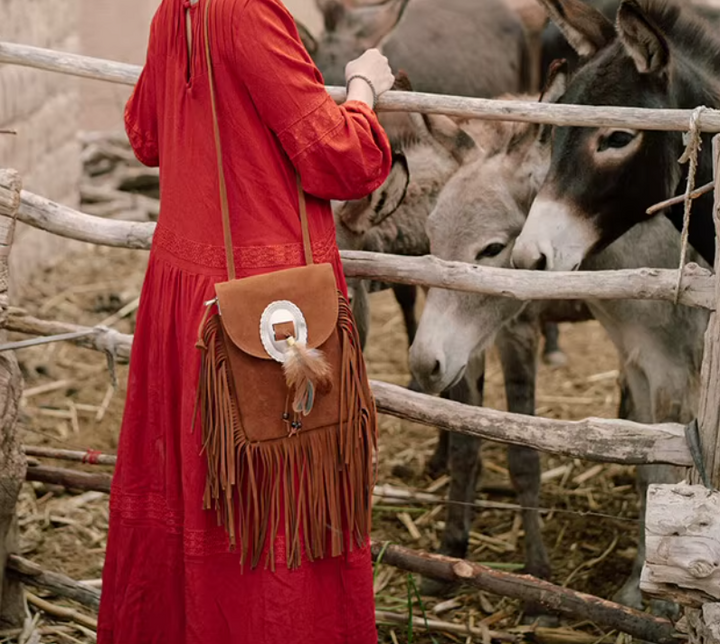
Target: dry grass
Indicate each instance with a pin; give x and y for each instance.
(67, 533)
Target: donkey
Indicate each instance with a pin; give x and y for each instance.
(434, 42)
(393, 220)
(602, 180)
(554, 45)
(477, 218)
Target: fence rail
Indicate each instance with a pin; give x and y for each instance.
(457, 106)
(595, 439)
(697, 289)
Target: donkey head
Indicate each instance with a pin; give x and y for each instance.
(602, 180)
(356, 217)
(349, 29)
(477, 218)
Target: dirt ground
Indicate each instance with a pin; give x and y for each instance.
(590, 529)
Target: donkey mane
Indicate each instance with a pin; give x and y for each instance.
(685, 29)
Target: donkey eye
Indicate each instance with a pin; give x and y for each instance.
(491, 250)
(616, 139)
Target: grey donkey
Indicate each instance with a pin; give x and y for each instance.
(436, 43)
(434, 149)
(477, 218)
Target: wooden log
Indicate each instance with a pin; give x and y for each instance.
(12, 460)
(109, 340)
(682, 528)
(642, 283)
(695, 194)
(66, 222)
(62, 585)
(457, 106)
(67, 63)
(709, 409)
(73, 479)
(655, 284)
(556, 599)
(90, 456)
(705, 622)
(682, 534)
(596, 439)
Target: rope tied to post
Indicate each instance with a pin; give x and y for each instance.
(693, 144)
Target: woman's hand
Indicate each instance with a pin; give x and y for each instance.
(369, 77)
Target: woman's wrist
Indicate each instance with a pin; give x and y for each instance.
(361, 88)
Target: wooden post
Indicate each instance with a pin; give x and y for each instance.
(682, 523)
(709, 410)
(12, 459)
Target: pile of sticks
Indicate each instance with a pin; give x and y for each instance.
(115, 183)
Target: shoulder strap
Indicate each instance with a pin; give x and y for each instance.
(224, 206)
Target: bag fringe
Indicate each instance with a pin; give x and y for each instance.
(323, 479)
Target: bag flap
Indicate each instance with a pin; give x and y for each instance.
(311, 288)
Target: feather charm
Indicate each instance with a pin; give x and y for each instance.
(307, 374)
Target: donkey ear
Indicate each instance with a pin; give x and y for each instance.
(556, 82)
(361, 215)
(392, 193)
(372, 22)
(586, 29)
(642, 40)
(452, 137)
(333, 13)
(308, 40)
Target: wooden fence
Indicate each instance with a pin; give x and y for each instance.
(614, 440)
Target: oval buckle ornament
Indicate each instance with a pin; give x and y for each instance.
(281, 313)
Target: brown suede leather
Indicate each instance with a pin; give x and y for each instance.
(242, 402)
(311, 288)
(262, 393)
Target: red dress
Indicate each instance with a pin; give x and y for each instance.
(169, 577)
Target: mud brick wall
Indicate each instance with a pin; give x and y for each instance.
(43, 109)
(49, 110)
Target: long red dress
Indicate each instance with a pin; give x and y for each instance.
(169, 577)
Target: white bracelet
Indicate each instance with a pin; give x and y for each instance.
(368, 81)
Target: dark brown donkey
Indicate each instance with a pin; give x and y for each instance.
(602, 180)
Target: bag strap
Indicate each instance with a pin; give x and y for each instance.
(224, 205)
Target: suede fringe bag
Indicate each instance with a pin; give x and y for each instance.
(288, 420)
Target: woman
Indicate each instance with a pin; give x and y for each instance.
(169, 577)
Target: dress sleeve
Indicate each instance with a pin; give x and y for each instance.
(141, 114)
(340, 152)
